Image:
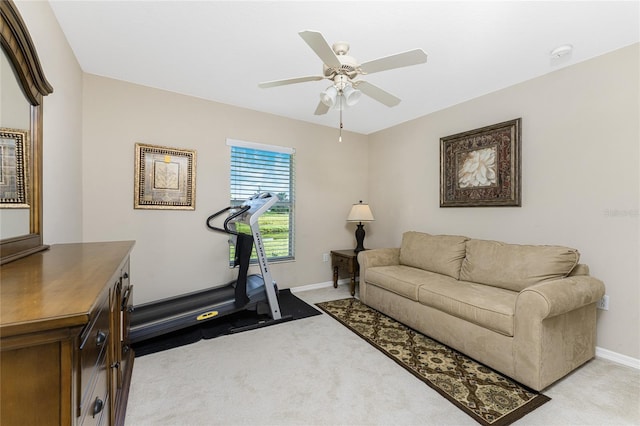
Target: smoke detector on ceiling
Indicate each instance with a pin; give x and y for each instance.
(561, 51)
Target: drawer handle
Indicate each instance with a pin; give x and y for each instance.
(101, 337)
(125, 299)
(98, 405)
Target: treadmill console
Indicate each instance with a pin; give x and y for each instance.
(258, 204)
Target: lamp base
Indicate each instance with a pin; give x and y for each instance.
(359, 238)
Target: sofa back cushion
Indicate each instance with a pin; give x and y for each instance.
(436, 253)
(515, 267)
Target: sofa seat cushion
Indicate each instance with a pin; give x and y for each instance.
(401, 279)
(486, 306)
(436, 253)
(515, 267)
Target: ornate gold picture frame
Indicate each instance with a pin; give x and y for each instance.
(14, 168)
(165, 178)
(481, 168)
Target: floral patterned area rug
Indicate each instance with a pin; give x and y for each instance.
(487, 396)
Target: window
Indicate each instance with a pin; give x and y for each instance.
(259, 168)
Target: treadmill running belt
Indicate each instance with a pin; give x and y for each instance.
(289, 305)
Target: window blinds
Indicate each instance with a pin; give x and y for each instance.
(259, 168)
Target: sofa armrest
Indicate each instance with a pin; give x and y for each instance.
(375, 257)
(378, 257)
(560, 296)
(554, 328)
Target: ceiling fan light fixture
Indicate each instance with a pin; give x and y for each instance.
(329, 96)
(351, 95)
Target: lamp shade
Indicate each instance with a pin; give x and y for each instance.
(360, 213)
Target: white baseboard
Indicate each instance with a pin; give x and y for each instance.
(617, 358)
(318, 285)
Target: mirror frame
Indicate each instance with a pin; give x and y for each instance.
(17, 44)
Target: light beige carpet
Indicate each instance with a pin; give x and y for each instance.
(315, 372)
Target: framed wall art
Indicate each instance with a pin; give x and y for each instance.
(14, 168)
(165, 178)
(481, 168)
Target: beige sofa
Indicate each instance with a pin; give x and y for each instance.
(526, 311)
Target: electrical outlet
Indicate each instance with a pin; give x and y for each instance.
(603, 303)
(325, 257)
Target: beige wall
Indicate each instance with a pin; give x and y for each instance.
(175, 252)
(62, 125)
(580, 186)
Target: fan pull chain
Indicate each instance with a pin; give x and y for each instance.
(340, 136)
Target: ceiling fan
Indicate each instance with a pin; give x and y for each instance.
(343, 70)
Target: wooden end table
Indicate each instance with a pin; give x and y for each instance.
(345, 261)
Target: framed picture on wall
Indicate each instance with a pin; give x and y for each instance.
(14, 168)
(164, 178)
(481, 168)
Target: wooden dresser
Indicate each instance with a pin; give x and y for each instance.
(64, 320)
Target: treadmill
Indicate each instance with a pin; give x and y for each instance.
(247, 292)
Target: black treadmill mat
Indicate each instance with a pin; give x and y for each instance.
(289, 305)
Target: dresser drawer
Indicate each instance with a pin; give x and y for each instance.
(95, 407)
(125, 311)
(94, 343)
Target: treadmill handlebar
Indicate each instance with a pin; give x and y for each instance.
(255, 206)
(226, 229)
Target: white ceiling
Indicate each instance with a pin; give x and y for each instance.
(221, 50)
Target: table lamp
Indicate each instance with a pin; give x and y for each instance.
(360, 213)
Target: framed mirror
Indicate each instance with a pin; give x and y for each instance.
(22, 88)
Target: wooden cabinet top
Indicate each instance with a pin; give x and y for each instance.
(345, 253)
(58, 287)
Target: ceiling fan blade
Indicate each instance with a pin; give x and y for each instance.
(275, 83)
(316, 41)
(321, 109)
(399, 60)
(377, 93)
